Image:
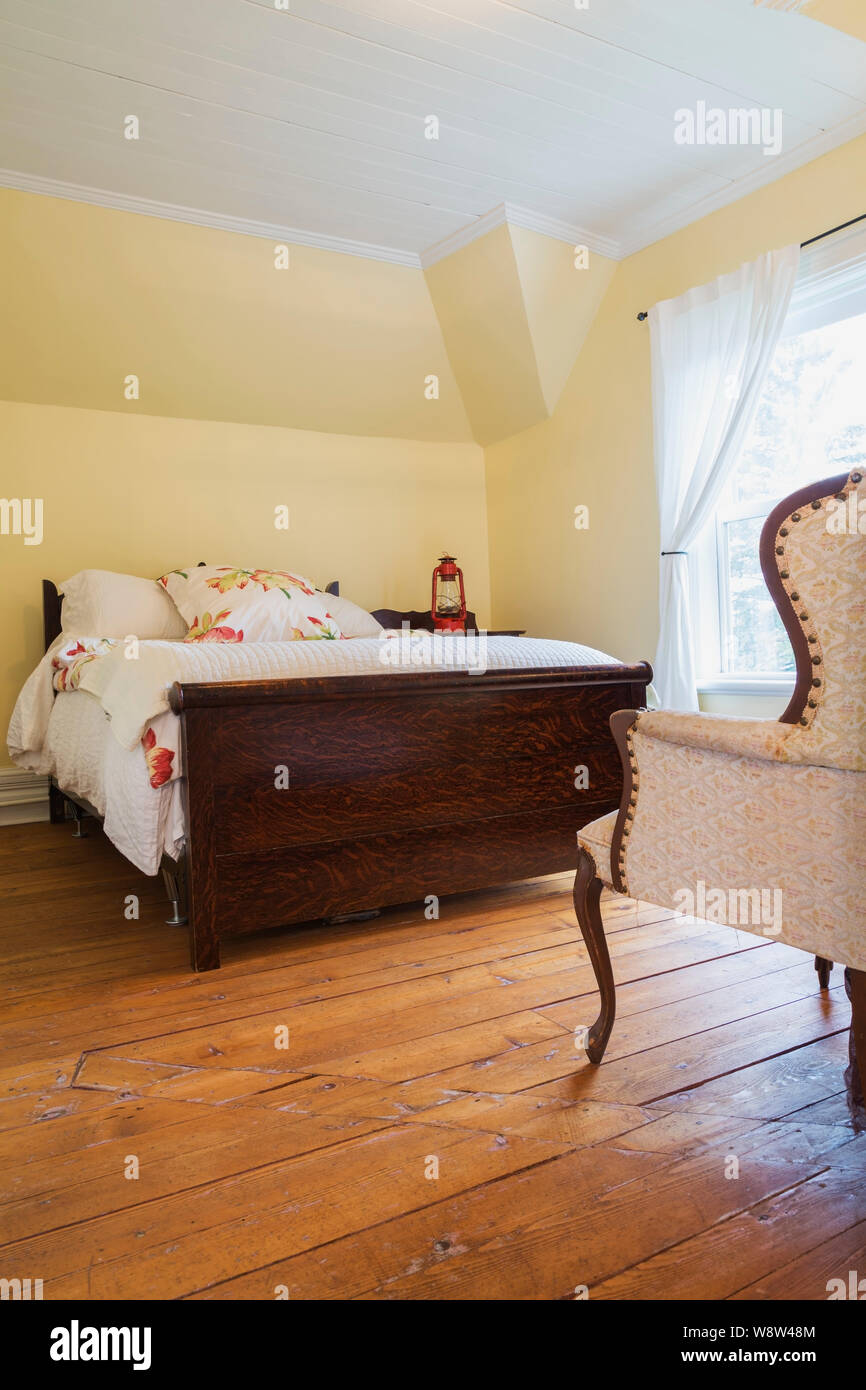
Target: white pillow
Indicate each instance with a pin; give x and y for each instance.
(104, 604)
(353, 620)
(222, 603)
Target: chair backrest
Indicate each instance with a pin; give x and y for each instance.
(813, 556)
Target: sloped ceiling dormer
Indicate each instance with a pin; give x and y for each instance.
(514, 307)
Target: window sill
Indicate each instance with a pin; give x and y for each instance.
(770, 685)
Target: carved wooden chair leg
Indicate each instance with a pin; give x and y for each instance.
(587, 892)
(823, 968)
(855, 1075)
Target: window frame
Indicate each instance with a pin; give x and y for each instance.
(831, 287)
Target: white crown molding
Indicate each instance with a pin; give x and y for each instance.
(642, 232)
(463, 236)
(645, 232)
(23, 796)
(124, 202)
(516, 216)
(563, 231)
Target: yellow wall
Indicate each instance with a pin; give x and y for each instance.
(561, 293)
(144, 494)
(600, 585)
(212, 329)
(847, 15)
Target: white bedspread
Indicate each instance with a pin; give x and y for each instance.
(81, 754)
(132, 692)
(90, 739)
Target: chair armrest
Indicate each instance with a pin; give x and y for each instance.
(765, 739)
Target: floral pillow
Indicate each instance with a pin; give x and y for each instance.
(223, 604)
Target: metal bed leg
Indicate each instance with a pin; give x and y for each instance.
(79, 833)
(174, 878)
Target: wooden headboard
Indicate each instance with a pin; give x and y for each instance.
(52, 601)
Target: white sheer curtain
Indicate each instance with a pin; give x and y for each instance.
(711, 349)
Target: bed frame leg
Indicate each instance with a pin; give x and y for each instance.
(204, 947)
(78, 816)
(587, 893)
(174, 878)
(56, 805)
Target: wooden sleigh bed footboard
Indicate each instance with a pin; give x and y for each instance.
(314, 798)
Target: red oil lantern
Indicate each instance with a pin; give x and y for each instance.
(448, 609)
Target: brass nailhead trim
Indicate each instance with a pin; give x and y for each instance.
(856, 477)
(783, 531)
(794, 596)
(812, 638)
(813, 704)
(804, 617)
(795, 516)
(816, 506)
(840, 497)
(815, 682)
(803, 719)
(782, 573)
(780, 549)
(816, 661)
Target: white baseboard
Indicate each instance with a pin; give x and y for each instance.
(23, 796)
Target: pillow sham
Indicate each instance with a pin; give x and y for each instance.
(118, 605)
(221, 603)
(354, 621)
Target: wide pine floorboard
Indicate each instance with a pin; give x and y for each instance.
(398, 1109)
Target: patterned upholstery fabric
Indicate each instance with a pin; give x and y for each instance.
(596, 838)
(795, 835)
(824, 559)
(760, 824)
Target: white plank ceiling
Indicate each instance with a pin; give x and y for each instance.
(311, 119)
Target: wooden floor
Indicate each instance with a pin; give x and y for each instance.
(431, 1130)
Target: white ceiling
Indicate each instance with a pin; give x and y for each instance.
(311, 121)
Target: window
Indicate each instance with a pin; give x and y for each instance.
(810, 423)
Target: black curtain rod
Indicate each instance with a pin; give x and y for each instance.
(803, 244)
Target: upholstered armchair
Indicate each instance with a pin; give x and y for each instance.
(758, 807)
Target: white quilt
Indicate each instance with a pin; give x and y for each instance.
(92, 742)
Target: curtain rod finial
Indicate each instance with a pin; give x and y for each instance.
(642, 315)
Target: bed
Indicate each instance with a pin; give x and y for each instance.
(399, 785)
